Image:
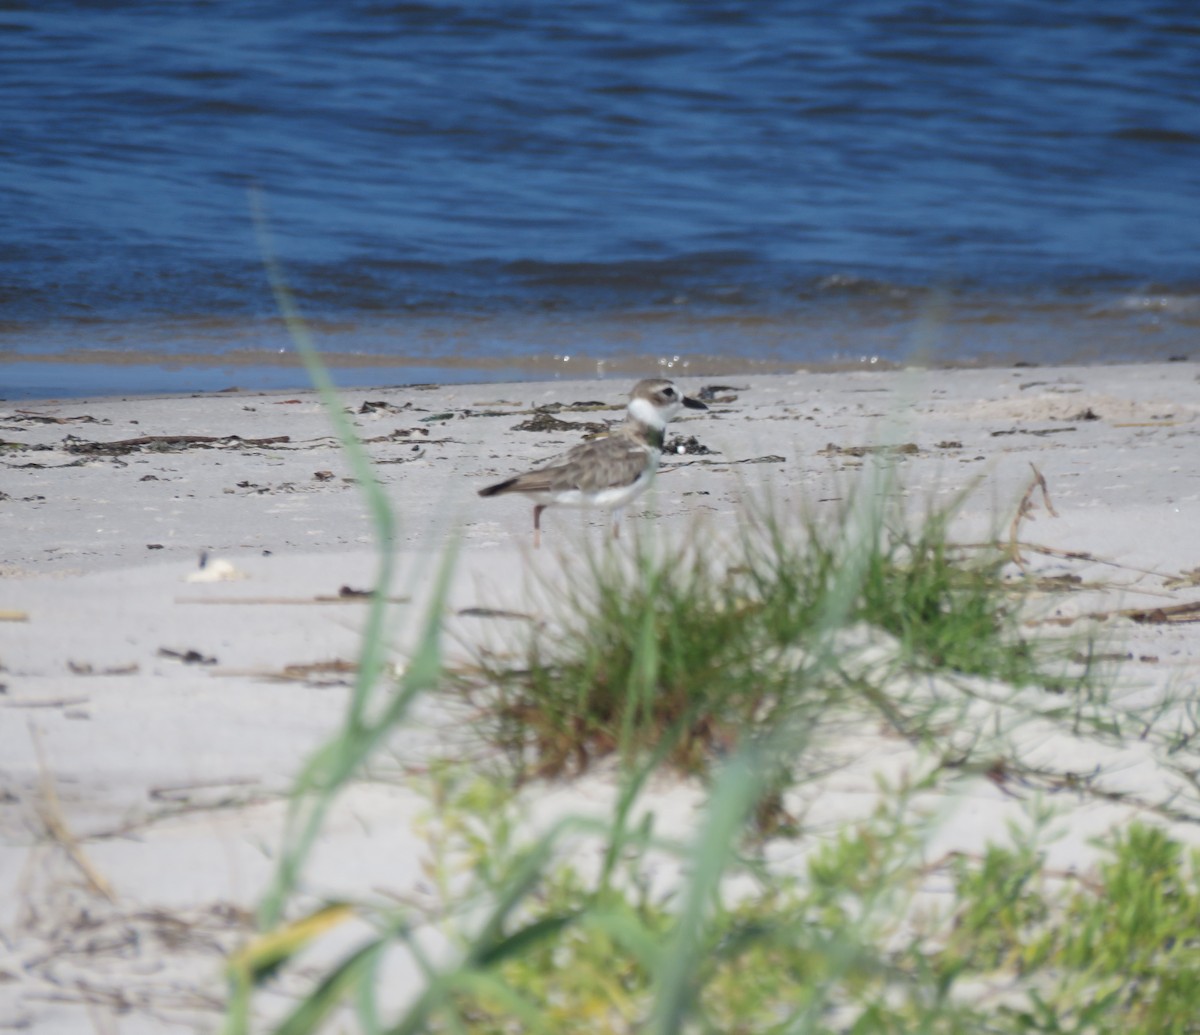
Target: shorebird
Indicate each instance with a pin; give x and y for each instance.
(605, 472)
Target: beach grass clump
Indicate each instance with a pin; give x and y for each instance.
(585, 951)
(658, 655)
(686, 652)
(951, 608)
(731, 670)
(1111, 952)
(840, 946)
(1015, 947)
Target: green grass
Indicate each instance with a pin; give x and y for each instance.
(1019, 950)
(733, 672)
(733, 669)
(688, 652)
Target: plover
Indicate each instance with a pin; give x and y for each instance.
(605, 472)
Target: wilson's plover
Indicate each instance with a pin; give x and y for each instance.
(605, 472)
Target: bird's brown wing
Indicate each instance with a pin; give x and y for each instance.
(597, 464)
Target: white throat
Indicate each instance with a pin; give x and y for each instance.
(645, 412)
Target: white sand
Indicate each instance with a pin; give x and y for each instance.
(169, 772)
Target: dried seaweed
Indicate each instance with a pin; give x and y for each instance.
(1036, 432)
(544, 420)
(164, 444)
(28, 417)
(690, 446)
(900, 449)
(188, 657)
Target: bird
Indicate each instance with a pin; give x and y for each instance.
(608, 471)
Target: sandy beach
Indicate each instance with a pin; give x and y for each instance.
(181, 586)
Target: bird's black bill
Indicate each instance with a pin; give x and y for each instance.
(693, 404)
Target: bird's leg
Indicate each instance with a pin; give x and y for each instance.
(537, 525)
(616, 523)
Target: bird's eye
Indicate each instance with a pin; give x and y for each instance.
(669, 393)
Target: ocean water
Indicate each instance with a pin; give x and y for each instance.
(492, 190)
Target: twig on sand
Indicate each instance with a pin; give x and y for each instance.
(345, 596)
(1177, 614)
(1091, 558)
(771, 459)
(47, 702)
(1024, 510)
(50, 811)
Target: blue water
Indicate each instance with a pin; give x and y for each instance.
(483, 189)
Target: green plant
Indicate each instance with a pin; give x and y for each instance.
(687, 652)
(735, 669)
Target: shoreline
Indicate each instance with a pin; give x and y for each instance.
(278, 371)
(171, 712)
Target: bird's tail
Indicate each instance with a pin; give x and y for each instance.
(498, 488)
